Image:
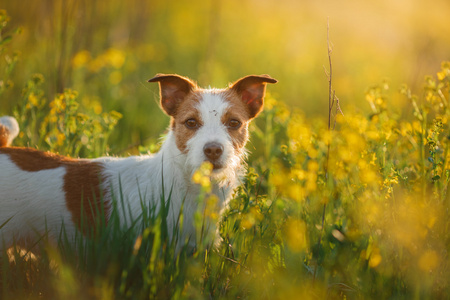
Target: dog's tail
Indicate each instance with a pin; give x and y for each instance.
(9, 129)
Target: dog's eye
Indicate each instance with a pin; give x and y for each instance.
(192, 124)
(234, 124)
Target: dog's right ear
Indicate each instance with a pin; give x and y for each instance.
(252, 89)
(173, 89)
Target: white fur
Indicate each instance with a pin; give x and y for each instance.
(141, 176)
(32, 203)
(38, 202)
(211, 109)
(12, 126)
(32, 209)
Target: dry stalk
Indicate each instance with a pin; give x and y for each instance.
(332, 101)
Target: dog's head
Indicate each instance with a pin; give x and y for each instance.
(212, 124)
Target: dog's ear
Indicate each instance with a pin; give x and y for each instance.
(173, 89)
(252, 89)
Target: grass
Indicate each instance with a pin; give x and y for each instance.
(358, 212)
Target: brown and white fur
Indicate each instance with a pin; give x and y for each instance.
(40, 191)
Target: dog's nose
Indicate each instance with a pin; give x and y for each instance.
(213, 151)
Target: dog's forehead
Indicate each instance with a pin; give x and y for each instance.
(212, 104)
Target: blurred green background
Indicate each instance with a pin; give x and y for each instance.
(107, 50)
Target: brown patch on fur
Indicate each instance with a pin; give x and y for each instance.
(84, 196)
(4, 134)
(239, 111)
(32, 160)
(186, 110)
(82, 181)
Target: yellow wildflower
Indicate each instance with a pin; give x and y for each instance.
(81, 59)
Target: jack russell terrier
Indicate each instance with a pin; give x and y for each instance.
(41, 191)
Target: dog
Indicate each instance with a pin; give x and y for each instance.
(40, 191)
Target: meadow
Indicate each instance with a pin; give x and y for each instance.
(347, 199)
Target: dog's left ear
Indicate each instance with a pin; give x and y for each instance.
(173, 90)
(252, 89)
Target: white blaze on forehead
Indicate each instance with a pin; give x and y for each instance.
(212, 107)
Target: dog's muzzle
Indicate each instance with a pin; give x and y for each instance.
(213, 151)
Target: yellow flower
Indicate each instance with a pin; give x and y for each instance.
(115, 57)
(249, 219)
(441, 75)
(33, 99)
(313, 166)
(269, 103)
(97, 107)
(375, 259)
(417, 126)
(312, 152)
(296, 192)
(202, 175)
(428, 261)
(298, 173)
(367, 176)
(60, 139)
(81, 59)
(295, 235)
